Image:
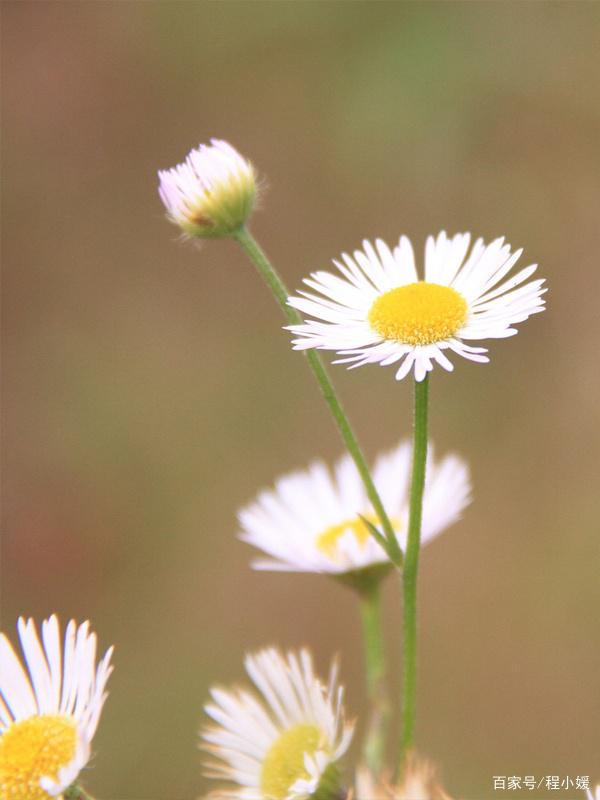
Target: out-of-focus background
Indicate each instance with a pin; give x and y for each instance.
(150, 391)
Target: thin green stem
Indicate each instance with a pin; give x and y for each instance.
(370, 612)
(258, 257)
(411, 565)
(76, 792)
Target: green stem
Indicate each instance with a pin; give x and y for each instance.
(76, 792)
(258, 257)
(411, 565)
(370, 611)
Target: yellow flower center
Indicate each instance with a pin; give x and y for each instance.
(32, 749)
(327, 541)
(284, 762)
(418, 313)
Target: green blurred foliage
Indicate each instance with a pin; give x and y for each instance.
(149, 389)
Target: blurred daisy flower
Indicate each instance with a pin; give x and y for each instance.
(369, 787)
(591, 795)
(377, 311)
(311, 520)
(48, 719)
(285, 744)
(420, 782)
(212, 193)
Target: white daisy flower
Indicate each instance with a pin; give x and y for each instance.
(379, 312)
(285, 744)
(311, 520)
(48, 719)
(212, 193)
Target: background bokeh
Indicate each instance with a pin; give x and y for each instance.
(149, 390)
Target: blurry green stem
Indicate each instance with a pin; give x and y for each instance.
(411, 564)
(258, 257)
(370, 611)
(76, 792)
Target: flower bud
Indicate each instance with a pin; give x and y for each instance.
(210, 195)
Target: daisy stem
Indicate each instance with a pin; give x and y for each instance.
(370, 611)
(76, 792)
(411, 564)
(258, 257)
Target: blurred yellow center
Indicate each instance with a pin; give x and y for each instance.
(284, 762)
(328, 540)
(32, 749)
(418, 313)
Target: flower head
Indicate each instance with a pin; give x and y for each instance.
(379, 312)
(212, 193)
(48, 720)
(367, 786)
(593, 795)
(311, 520)
(285, 744)
(420, 782)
